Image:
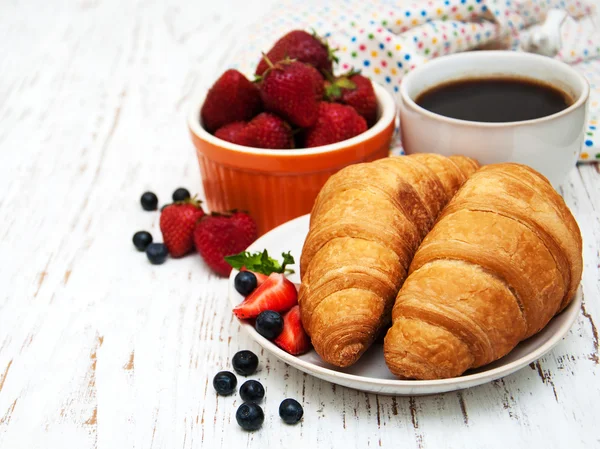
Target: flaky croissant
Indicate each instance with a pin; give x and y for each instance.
(366, 225)
(503, 258)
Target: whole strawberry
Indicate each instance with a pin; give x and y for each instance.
(335, 122)
(357, 91)
(231, 99)
(234, 133)
(220, 235)
(302, 46)
(266, 130)
(177, 223)
(290, 89)
(319, 82)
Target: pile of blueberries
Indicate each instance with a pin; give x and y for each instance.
(250, 415)
(156, 252)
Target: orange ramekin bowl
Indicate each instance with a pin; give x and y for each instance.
(275, 186)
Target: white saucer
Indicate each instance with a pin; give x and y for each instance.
(370, 373)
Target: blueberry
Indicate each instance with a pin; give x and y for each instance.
(269, 324)
(252, 391)
(250, 416)
(149, 201)
(290, 411)
(245, 282)
(141, 240)
(244, 362)
(181, 194)
(225, 383)
(157, 253)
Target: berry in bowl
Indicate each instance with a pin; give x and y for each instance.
(268, 146)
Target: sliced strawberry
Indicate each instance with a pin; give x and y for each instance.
(276, 293)
(293, 339)
(260, 278)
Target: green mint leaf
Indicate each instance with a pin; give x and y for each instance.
(260, 262)
(288, 259)
(243, 259)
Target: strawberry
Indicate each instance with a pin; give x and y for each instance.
(290, 89)
(177, 223)
(266, 130)
(302, 46)
(277, 293)
(234, 133)
(231, 99)
(220, 235)
(319, 82)
(260, 278)
(293, 339)
(357, 91)
(336, 122)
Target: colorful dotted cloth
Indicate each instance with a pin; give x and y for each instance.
(386, 39)
(591, 143)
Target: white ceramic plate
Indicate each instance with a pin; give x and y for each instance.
(370, 373)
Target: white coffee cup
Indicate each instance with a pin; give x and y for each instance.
(549, 144)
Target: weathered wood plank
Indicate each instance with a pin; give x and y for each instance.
(98, 348)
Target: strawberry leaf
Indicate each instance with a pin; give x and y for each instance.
(330, 51)
(332, 56)
(345, 83)
(261, 262)
(333, 91)
(350, 73)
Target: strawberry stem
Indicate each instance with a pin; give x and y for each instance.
(332, 56)
(334, 91)
(330, 51)
(351, 73)
(328, 76)
(267, 60)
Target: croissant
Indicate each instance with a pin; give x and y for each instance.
(503, 258)
(366, 225)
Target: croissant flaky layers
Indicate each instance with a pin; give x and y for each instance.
(366, 225)
(503, 258)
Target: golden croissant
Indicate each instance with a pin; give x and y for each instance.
(366, 224)
(503, 258)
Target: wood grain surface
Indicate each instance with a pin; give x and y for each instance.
(100, 349)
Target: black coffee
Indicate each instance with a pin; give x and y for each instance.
(494, 99)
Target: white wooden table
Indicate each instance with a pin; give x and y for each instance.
(98, 348)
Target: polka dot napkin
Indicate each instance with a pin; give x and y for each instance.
(386, 39)
(581, 40)
(591, 143)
